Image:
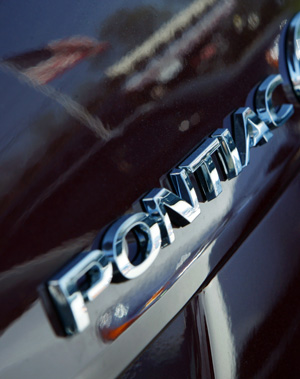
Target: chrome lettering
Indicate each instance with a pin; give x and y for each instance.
(228, 153)
(201, 163)
(182, 208)
(91, 272)
(147, 233)
(272, 116)
(248, 131)
(82, 280)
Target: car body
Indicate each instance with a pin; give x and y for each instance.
(99, 103)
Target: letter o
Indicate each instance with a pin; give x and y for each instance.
(146, 230)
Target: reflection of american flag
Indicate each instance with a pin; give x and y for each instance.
(46, 64)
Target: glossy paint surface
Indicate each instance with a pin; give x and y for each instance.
(259, 314)
(85, 133)
(181, 351)
(245, 322)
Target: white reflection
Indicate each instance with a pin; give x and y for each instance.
(253, 21)
(272, 54)
(298, 49)
(184, 126)
(238, 23)
(195, 119)
(182, 260)
(219, 330)
(121, 311)
(72, 107)
(105, 320)
(164, 66)
(163, 35)
(170, 71)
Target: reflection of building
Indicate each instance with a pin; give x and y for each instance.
(44, 65)
(163, 52)
(167, 33)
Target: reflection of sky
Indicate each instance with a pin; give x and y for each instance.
(55, 20)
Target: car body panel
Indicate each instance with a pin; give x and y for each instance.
(81, 147)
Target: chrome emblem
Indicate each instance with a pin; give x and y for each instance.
(91, 272)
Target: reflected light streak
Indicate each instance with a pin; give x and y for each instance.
(219, 330)
(45, 64)
(272, 54)
(164, 67)
(52, 61)
(160, 37)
